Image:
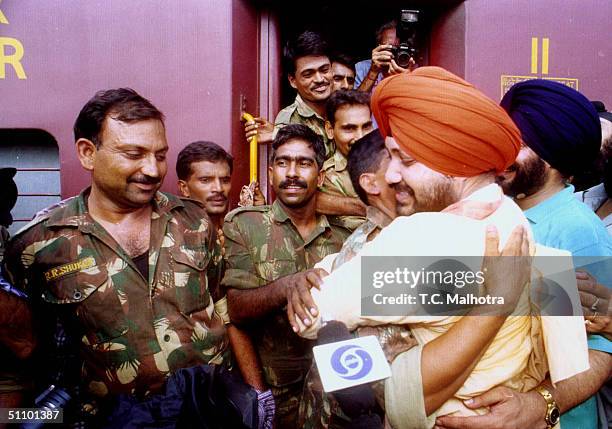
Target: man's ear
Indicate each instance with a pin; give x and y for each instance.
(291, 78)
(369, 184)
(183, 188)
(329, 130)
(270, 181)
(86, 151)
(320, 178)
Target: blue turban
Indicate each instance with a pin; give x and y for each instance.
(556, 122)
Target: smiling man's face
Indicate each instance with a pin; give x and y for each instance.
(417, 187)
(294, 174)
(312, 78)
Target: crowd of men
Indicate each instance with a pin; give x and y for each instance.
(131, 307)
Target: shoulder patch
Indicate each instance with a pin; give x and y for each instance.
(237, 211)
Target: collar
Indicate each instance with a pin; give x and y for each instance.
(75, 212)
(340, 161)
(279, 215)
(543, 210)
(304, 109)
(377, 217)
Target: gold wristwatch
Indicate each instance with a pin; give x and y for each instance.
(552, 411)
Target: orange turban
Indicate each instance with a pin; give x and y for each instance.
(445, 123)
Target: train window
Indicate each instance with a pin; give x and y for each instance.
(35, 155)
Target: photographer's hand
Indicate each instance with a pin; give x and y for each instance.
(395, 69)
(381, 58)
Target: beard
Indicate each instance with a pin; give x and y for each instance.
(529, 178)
(433, 197)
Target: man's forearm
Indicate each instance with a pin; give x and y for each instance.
(339, 206)
(246, 357)
(580, 387)
(448, 360)
(249, 304)
(368, 81)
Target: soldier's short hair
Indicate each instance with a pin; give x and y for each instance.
(365, 157)
(301, 132)
(200, 151)
(121, 104)
(306, 44)
(342, 58)
(345, 97)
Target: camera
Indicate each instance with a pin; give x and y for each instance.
(407, 34)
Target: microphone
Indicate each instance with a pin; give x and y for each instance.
(357, 402)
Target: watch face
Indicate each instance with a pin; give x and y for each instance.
(554, 416)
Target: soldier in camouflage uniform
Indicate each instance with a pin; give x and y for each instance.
(309, 71)
(367, 164)
(270, 251)
(348, 119)
(204, 170)
(118, 275)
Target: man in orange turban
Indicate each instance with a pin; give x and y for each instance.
(445, 123)
(450, 142)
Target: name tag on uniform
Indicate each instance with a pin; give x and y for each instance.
(350, 363)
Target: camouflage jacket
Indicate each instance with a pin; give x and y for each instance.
(130, 332)
(338, 182)
(375, 221)
(301, 113)
(261, 246)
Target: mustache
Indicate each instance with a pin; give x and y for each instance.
(320, 85)
(402, 187)
(217, 197)
(287, 183)
(144, 179)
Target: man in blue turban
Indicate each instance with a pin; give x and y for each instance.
(561, 136)
(561, 132)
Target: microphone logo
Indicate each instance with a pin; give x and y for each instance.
(351, 362)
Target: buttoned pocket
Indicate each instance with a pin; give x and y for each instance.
(96, 301)
(190, 283)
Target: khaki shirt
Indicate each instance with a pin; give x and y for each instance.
(131, 331)
(261, 246)
(301, 113)
(338, 182)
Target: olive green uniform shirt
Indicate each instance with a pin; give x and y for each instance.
(131, 331)
(261, 246)
(301, 113)
(338, 182)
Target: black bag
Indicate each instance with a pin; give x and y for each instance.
(204, 396)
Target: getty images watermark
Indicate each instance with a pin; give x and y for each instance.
(451, 286)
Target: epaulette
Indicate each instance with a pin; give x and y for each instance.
(236, 211)
(43, 215)
(191, 200)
